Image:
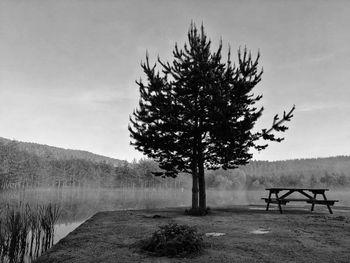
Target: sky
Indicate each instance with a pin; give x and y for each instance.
(68, 68)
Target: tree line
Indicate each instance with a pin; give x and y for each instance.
(317, 172)
(20, 168)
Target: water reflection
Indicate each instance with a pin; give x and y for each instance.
(26, 232)
(77, 205)
(62, 230)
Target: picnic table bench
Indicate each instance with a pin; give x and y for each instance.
(283, 200)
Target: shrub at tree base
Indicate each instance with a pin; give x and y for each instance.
(173, 240)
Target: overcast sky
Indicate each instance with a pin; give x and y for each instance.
(68, 68)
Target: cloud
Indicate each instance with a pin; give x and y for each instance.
(108, 96)
(313, 108)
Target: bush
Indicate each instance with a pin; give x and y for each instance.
(173, 240)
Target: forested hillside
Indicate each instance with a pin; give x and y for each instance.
(51, 152)
(32, 165)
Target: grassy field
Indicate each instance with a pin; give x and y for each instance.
(250, 235)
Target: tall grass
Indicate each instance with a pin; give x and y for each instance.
(25, 232)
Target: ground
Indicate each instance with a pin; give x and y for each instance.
(251, 235)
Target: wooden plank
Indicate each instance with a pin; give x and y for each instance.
(268, 202)
(322, 202)
(313, 204)
(287, 194)
(328, 205)
(278, 202)
(296, 189)
(318, 191)
(305, 194)
(274, 201)
(287, 199)
(296, 199)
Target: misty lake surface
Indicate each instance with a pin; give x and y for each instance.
(79, 204)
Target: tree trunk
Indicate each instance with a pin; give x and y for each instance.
(195, 192)
(201, 183)
(194, 187)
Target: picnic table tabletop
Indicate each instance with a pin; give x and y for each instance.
(296, 189)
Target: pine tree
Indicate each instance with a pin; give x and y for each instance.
(198, 113)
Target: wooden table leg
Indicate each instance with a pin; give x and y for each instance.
(313, 204)
(279, 203)
(268, 202)
(329, 208)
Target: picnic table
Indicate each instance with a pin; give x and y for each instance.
(309, 196)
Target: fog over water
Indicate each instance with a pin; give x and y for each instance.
(78, 204)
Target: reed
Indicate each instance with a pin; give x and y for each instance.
(3, 248)
(48, 217)
(25, 233)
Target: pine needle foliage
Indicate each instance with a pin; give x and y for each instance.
(199, 111)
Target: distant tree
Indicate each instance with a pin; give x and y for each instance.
(313, 180)
(343, 180)
(122, 171)
(145, 168)
(200, 112)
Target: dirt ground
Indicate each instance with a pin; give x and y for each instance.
(251, 235)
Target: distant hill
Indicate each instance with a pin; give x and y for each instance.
(51, 152)
(27, 165)
(313, 172)
(33, 164)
